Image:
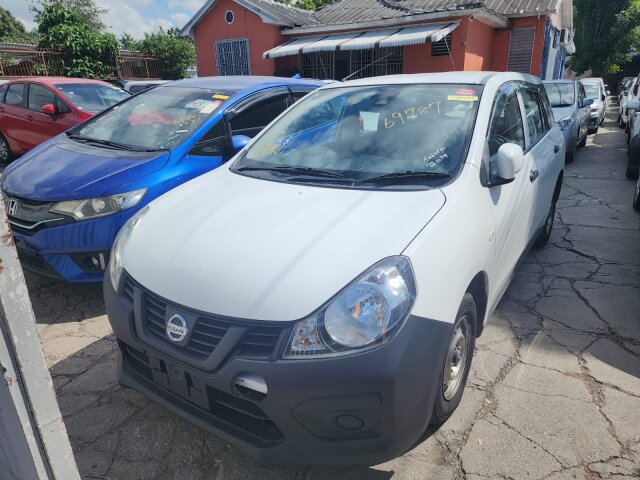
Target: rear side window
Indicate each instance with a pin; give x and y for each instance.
(15, 95)
(506, 123)
(534, 113)
(252, 120)
(39, 96)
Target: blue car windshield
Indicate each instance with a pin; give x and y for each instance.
(92, 97)
(387, 134)
(560, 94)
(157, 119)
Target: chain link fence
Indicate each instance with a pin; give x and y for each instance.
(23, 60)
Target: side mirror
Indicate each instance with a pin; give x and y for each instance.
(49, 109)
(238, 142)
(633, 105)
(587, 101)
(509, 162)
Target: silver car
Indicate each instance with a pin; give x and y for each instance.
(595, 90)
(571, 111)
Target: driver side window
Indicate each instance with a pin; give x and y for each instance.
(506, 123)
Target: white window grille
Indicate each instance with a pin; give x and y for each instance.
(232, 57)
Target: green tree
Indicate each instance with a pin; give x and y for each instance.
(127, 42)
(12, 29)
(605, 33)
(176, 54)
(306, 4)
(84, 51)
(87, 11)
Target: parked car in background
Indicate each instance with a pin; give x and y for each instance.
(633, 151)
(630, 93)
(595, 90)
(623, 86)
(137, 86)
(34, 109)
(314, 301)
(67, 198)
(571, 110)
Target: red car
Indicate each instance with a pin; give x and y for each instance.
(35, 109)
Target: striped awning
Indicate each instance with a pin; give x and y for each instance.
(394, 37)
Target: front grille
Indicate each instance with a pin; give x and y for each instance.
(31, 216)
(259, 340)
(236, 416)
(33, 261)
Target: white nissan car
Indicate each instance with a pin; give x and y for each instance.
(317, 299)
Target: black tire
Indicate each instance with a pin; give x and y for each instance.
(545, 234)
(448, 399)
(632, 173)
(636, 196)
(5, 151)
(583, 142)
(571, 156)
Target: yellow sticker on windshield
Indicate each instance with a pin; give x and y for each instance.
(463, 98)
(220, 97)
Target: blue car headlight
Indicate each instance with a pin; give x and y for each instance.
(364, 314)
(99, 207)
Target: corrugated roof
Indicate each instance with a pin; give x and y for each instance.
(286, 15)
(358, 11)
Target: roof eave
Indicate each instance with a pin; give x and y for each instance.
(481, 14)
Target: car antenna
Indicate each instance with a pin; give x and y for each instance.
(367, 66)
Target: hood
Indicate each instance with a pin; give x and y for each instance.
(562, 112)
(255, 249)
(61, 169)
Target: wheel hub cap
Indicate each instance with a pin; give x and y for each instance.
(456, 360)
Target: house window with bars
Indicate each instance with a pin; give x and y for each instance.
(375, 62)
(442, 47)
(318, 65)
(232, 57)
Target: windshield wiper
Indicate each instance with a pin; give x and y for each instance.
(306, 171)
(389, 177)
(110, 144)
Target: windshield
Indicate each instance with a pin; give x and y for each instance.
(592, 90)
(157, 119)
(560, 94)
(383, 135)
(92, 97)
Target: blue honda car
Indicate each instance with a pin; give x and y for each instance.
(67, 198)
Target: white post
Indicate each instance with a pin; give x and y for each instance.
(33, 438)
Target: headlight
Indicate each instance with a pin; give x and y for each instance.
(367, 312)
(565, 123)
(119, 246)
(99, 207)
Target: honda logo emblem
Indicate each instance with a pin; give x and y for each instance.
(12, 207)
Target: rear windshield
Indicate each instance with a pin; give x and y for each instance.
(592, 90)
(92, 98)
(560, 94)
(156, 119)
(403, 134)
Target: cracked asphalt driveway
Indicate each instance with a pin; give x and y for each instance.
(554, 390)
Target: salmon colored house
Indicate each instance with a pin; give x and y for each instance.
(362, 38)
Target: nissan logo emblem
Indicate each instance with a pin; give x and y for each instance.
(12, 207)
(177, 328)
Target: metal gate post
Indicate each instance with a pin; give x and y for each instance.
(33, 439)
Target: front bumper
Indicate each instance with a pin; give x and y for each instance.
(364, 408)
(58, 252)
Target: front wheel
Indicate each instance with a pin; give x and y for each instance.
(5, 151)
(571, 156)
(457, 363)
(545, 234)
(636, 196)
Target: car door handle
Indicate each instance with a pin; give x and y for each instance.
(556, 149)
(533, 175)
(30, 118)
